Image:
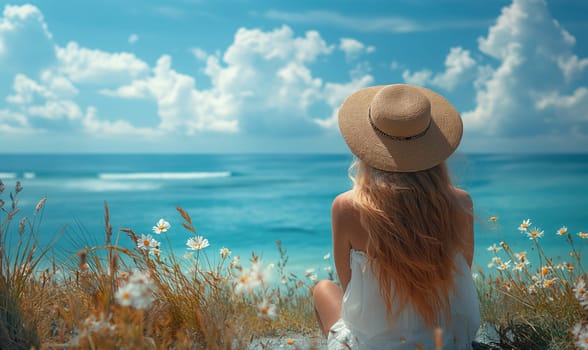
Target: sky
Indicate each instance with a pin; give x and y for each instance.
(254, 76)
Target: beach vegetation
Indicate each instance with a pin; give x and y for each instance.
(143, 295)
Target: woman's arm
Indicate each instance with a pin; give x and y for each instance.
(340, 215)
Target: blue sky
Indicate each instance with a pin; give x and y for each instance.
(268, 76)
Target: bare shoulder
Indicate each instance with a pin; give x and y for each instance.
(464, 197)
(343, 204)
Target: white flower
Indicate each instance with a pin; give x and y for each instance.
(519, 266)
(137, 292)
(494, 248)
(146, 242)
(562, 231)
(313, 277)
(265, 309)
(503, 266)
(308, 272)
(161, 226)
(327, 256)
(197, 243)
(224, 252)
(580, 332)
(249, 279)
(581, 293)
(95, 325)
(534, 234)
(525, 225)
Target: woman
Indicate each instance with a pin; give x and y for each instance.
(403, 236)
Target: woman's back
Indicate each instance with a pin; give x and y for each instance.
(364, 312)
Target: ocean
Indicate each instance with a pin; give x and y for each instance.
(247, 202)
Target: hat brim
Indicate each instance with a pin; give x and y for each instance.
(391, 154)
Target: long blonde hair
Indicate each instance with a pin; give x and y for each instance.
(412, 241)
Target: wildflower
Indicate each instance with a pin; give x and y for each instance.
(155, 251)
(475, 275)
(534, 234)
(308, 272)
(327, 256)
(494, 248)
(249, 279)
(197, 243)
(522, 256)
(265, 309)
(503, 266)
(495, 261)
(519, 266)
(224, 252)
(313, 277)
(137, 292)
(493, 219)
(580, 332)
(290, 341)
(562, 231)
(583, 235)
(569, 266)
(146, 242)
(161, 226)
(581, 292)
(235, 261)
(525, 225)
(95, 325)
(284, 280)
(545, 270)
(549, 282)
(327, 268)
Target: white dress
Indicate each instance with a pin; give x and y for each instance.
(363, 324)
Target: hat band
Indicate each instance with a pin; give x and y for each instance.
(398, 138)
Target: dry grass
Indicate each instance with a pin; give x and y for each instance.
(111, 297)
(533, 305)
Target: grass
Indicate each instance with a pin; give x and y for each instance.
(109, 296)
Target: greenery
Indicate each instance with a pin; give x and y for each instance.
(112, 297)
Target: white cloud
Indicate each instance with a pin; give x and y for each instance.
(47, 99)
(133, 38)
(459, 68)
(200, 54)
(262, 83)
(14, 123)
(83, 65)
(528, 91)
(353, 48)
(105, 128)
(335, 93)
(421, 77)
(25, 41)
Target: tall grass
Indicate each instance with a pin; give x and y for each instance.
(109, 296)
(531, 300)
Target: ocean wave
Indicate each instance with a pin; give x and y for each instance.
(163, 176)
(109, 186)
(7, 176)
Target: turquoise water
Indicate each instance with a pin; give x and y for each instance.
(248, 202)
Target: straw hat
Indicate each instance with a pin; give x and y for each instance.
(400, 128)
